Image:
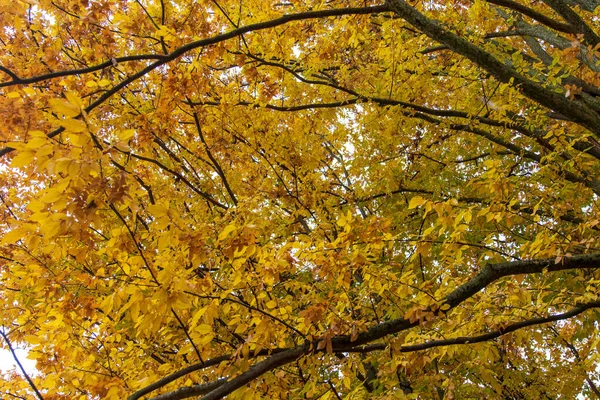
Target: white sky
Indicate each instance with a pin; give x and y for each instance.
(7, 362)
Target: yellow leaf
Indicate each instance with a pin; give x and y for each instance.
(36, 142)
(204, 329)
(63, 107)
(13, 236)
(107, 304)
(271, 304)
(126, 134)
(241, 328)
(32, 339)
(134, 310)
(228, 229)
(74, 99)
(78, 139)
(51, 196)
(73, 125)
(158, 210)
(206, 339)
(36, 205)
(22, 159)
(36, 134)
(416, 202)
(114, 393)
(468, 216)
(50, 228)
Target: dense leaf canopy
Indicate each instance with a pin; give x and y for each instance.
(304, 199)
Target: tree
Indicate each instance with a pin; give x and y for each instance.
(342, 199)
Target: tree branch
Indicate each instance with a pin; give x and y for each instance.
(193, 368)
(191, 46)
(12, 351)
(539, 17)
(502, 331)
(485, 277)
(59, 74)
(214, 161)
(224, 388)
(577, 111)
(574, 20)
(344, 343)
(191, 391)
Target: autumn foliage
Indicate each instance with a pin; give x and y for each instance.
(308, 199)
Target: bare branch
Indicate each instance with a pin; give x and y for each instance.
(12, 351)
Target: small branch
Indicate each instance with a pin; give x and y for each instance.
(187, 334)
(137, 245)
(334, 390)
(148, 14)
(224, 13)
(10, 73)
(10, 348)
(249, 307)
(58, 74)
(162, 12)
(177, 175)
(502, 331)
(8, 207)
(214, 161)
(575, 353)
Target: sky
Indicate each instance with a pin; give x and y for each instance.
(7, 361)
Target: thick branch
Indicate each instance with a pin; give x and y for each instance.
(254, 372)
(485, 277)
(344, 343)
(584, 55)
(539, 17)
(193, 368)
(191, 391)
(578, 112)
(575, 21)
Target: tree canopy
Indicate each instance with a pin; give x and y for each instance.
(300, 199)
